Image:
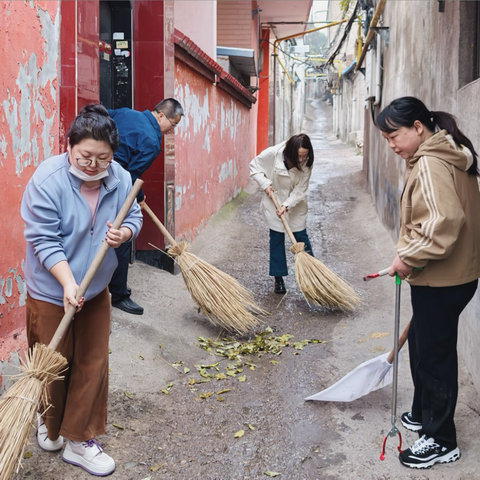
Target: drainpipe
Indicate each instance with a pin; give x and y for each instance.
(376, 17)
(274, 99)
(378, 73)
(284, 95)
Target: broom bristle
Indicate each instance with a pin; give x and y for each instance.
(220, 297)
(19, 404)
(319, 285)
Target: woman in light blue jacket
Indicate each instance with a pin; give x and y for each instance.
(285, 169)
(68, 206)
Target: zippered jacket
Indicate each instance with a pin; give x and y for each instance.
(59, 226)
(440, 215)
(290, 186)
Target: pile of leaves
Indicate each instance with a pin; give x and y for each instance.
(264, 342)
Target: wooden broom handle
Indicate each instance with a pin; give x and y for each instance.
(92, 270)
(159, 224)
(282, 218)
(401, 343)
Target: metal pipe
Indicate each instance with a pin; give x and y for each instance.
(274, 98)
(295, 23)
(378, 72)
(300, 34)
(283, 103)
(376, 17)
(290, 79)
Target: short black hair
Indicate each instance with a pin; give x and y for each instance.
(93, 122)
(290, 153)
(169, 107)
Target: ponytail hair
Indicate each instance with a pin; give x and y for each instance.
(403, 112)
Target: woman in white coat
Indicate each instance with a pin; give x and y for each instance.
(284, 169)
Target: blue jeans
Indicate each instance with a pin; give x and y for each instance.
(278, 258)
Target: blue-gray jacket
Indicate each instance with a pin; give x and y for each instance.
(59, 226)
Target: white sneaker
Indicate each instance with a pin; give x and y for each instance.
(42, 437)
(90, 456)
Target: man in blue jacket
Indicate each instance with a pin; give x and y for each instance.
(140, 137)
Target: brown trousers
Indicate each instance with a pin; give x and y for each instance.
(79, 402)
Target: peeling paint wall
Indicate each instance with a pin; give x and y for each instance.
(214, 144)
(29, 32)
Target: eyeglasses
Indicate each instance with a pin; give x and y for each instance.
(171, 123)
(85, 162)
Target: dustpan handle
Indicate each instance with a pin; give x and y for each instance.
(282, 218)
(159, 224)
(92, 270)
(401, 343)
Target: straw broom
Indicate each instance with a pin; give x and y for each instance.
(43, 365)
(220, 297)
(318, 284)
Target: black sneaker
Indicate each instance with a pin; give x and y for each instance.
(279, 285)
(425, 453)
(409, 423)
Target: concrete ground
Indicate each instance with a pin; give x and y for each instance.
(162, 425)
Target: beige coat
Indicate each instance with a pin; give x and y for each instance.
(290, 188)
(440, 215)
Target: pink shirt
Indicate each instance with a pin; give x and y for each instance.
(90, 194)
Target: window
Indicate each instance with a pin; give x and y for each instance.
(469, 43)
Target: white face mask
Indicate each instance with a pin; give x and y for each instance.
(87, 178)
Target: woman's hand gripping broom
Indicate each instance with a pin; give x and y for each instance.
(318, 284)
(220, 297)
(43, 365)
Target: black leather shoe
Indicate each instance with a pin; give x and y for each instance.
(129, 306)
(279, 285)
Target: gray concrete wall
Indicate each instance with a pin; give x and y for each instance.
(349, 107)
(430, 57)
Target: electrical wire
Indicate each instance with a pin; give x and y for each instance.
(345, 34)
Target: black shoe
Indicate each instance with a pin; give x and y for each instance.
(425, 453)
(279, 285)
(409, 423)
(129, 306)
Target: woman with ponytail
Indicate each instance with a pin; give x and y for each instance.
(68, 206)
(440, 238)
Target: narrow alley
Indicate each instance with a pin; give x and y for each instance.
(170, 420)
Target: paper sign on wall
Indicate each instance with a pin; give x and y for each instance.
(122, 44)
(118, 36)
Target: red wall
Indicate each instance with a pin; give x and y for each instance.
(214, 144)
(28, 133)
(148, 34)
(263, 93)
(36, 108)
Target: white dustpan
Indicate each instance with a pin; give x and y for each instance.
(369, 376)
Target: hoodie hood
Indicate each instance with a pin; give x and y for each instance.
(442, 146)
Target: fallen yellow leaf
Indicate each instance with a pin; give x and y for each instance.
(239, 434)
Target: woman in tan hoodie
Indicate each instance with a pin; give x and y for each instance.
(439, 233)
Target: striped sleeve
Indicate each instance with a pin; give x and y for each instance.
(434, 215)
